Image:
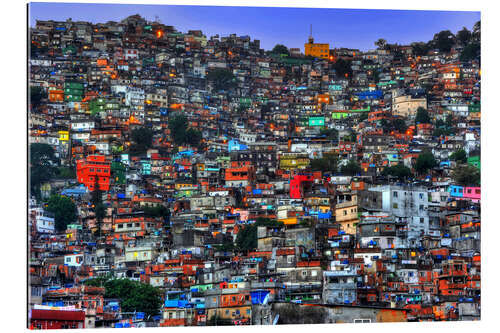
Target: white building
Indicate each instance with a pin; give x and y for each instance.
(44, 220)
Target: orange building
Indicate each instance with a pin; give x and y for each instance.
(318, 50)
(240, 174)
(56, 95)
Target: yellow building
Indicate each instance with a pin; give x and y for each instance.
(316, 49)
(63, 135)
(346, 213)
(292, 161)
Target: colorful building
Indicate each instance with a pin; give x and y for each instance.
(94, 166)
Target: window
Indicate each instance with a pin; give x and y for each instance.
(395, 194)
(362, 321)
(395, 205)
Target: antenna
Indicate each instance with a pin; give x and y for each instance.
(311, 39)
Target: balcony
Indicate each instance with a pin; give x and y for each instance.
(340, 286)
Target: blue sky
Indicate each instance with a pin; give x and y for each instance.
(352, 28)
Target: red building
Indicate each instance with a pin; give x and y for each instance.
(94, 166)
(57, 319)
(297, 184)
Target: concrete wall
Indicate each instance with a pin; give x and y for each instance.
(300, 314)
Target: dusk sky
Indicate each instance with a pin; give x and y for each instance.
(352, 28)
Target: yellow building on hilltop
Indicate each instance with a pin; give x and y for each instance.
(316, 50)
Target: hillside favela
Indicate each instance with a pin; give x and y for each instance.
(181, 179)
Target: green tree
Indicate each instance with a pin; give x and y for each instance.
(193, 137)
(464, 36)
(241, 109)
(156, 211)
(330, 133)
(96, 197)
(222, 78)
(246, 239)
(470, 52)
(142, 140)
(422, 116)
(280, 49)
(328, 163)
(425, 162)
(64, 210)
(476, 32)
(352, 168)
(449, 120)
(100, 213)
(343, 67)
(399, 125)
(36, 95)
(442, 132)
(386, 125)
(178, 127)
(444, 40)
(399, 171)
(134, 295)
(98, 281)
(459, 156)
(420, 48)
(180, 132)
(381, 43)
(42, 165)
(466, 175)
(66, 172)
(439, 123)
(97, 205)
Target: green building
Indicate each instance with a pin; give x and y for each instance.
(474, 161)
(316, 121)
(118, 170)
(73, 91)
